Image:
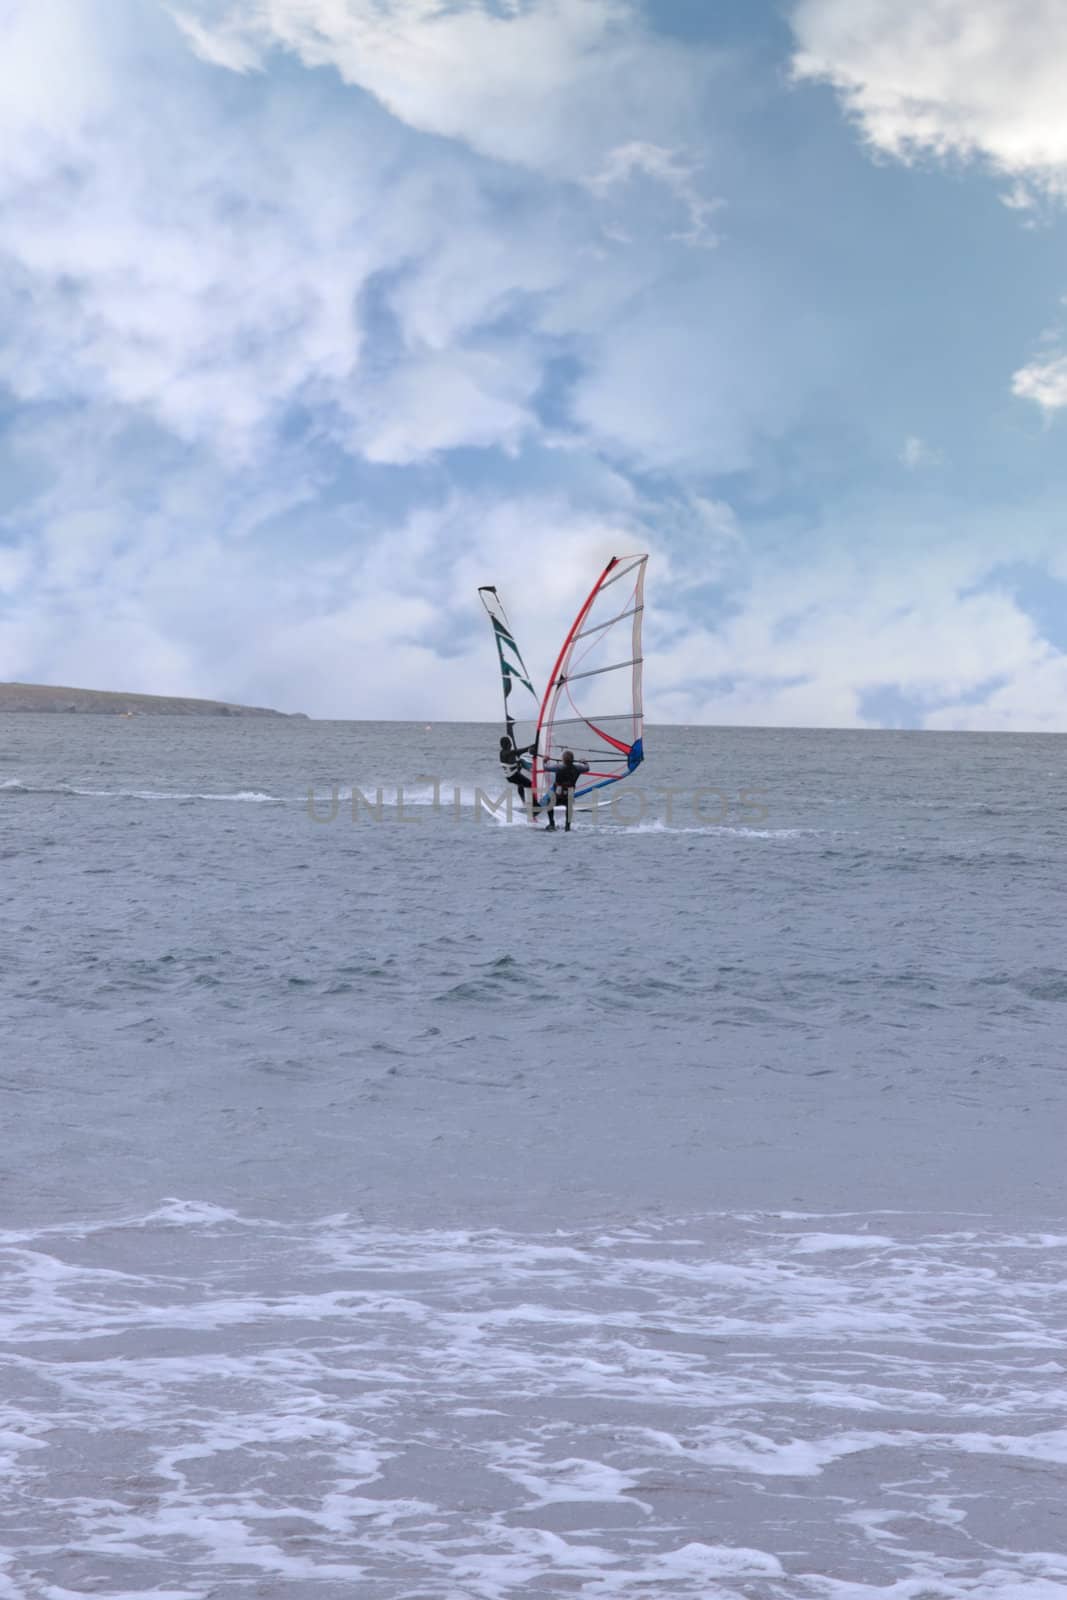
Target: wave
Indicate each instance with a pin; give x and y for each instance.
(72, 791)
(722, 829)
(657, 1407)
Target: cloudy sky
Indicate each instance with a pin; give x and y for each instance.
(316, 314)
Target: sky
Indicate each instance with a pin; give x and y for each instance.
(317, 314)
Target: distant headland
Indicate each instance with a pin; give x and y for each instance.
(106, 702)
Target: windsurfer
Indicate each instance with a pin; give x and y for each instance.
(565, 775)
(515, 770)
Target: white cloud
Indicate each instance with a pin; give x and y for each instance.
(227, 44)
(916, 453)
(544, 85)
(223, 288)
(1033, 700)
(196, 252)
(126, 572)
(58, 72)
(688, 381)
(208, 272)
(957, 80)
(1044, 382)
(898, 594)
(950, 78)
(678, 177)
(14, 568)
(440, 402)
(155, 261)
(211, 255)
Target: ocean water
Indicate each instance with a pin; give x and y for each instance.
(413, 1205)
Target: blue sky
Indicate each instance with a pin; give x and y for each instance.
(316, 314)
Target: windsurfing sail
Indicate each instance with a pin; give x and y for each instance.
(592, 704)
(521, 701)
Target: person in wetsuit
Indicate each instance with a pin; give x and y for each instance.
(514, 770)
(565, 775)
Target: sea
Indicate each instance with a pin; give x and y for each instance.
(401, 1202)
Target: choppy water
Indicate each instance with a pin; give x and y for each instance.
(429, 1207)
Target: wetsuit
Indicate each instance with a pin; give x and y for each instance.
(565, 776)
(514, 770)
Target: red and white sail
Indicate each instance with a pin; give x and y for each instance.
(593, 704)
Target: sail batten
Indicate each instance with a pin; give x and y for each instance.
(624, 570)
(595, 672)
(584, 633)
